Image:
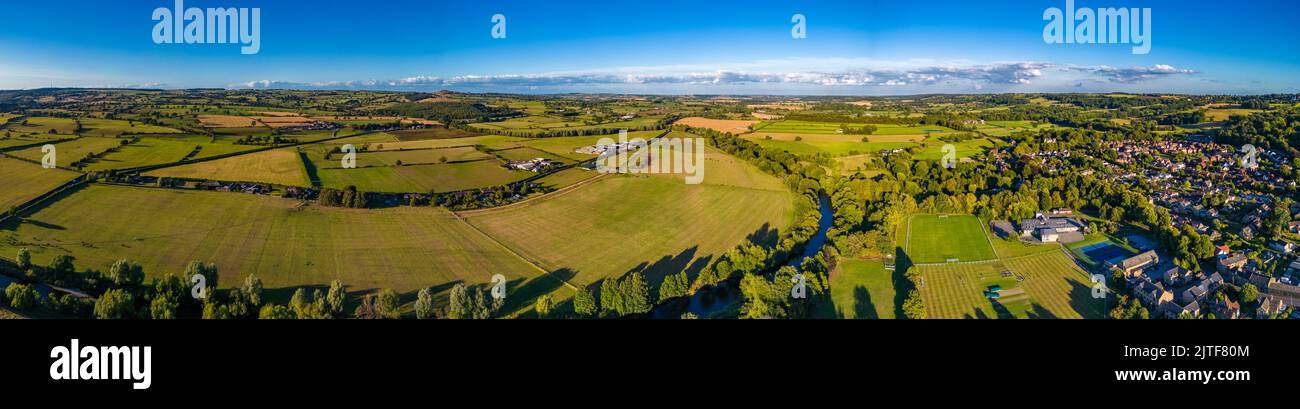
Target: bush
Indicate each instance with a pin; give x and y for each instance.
(22, 297)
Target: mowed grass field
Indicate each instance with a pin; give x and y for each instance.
(1053, 287)
(862, 289)
(279, 166)
(620, 224)
(938, 238)
(404, 248)
(25, 181)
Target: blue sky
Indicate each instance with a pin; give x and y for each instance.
(860, 47)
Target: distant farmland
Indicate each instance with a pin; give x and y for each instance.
(405, 248)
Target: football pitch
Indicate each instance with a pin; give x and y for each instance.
(947, 238)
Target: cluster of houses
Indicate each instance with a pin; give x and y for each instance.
(1172, 291)
(533, 165)
(1058, 226)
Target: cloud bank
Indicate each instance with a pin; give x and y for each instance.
(996, 77)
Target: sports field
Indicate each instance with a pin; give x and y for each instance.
(25, 181)
(943, 238)
(1052, 287)
(279, 166)
(404, 248)
(862, 289)
(619, 224)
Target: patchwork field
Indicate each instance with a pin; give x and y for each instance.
(279, 166)
(405, 248)
(619, 224)
(25, 181)
(1052, 287)
(940, 238)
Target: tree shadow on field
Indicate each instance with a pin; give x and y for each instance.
(1037, 311)
(1082, 301)
(863, 308)
(43, 225)
(764, 236)
(902, 286)
(1001, 310)
(655, 272)
(522, 293)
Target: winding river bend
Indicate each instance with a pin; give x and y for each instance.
(719, 298)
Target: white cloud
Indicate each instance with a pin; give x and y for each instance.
(837, 74)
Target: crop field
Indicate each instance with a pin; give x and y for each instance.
(25, 181)
(423, 178)
(720, 125)
(1052, 287)
(938, 239)
(71, 151)
(148, 151)
(862, 289)
(405, 248)
(278, 166)
(229, 121)
(620, 224)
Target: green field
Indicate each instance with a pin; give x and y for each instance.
(1053, 287)
(833, 144)
(423, 178)
(620, 224)
(404, 248)
(148, 151)
(938, 238)
(43, 125)
(71, 151)
(932, 149)
(566, 178)
(862, 289)
(113, 128)
(809, 127)
(278, 166)
(25, 181)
